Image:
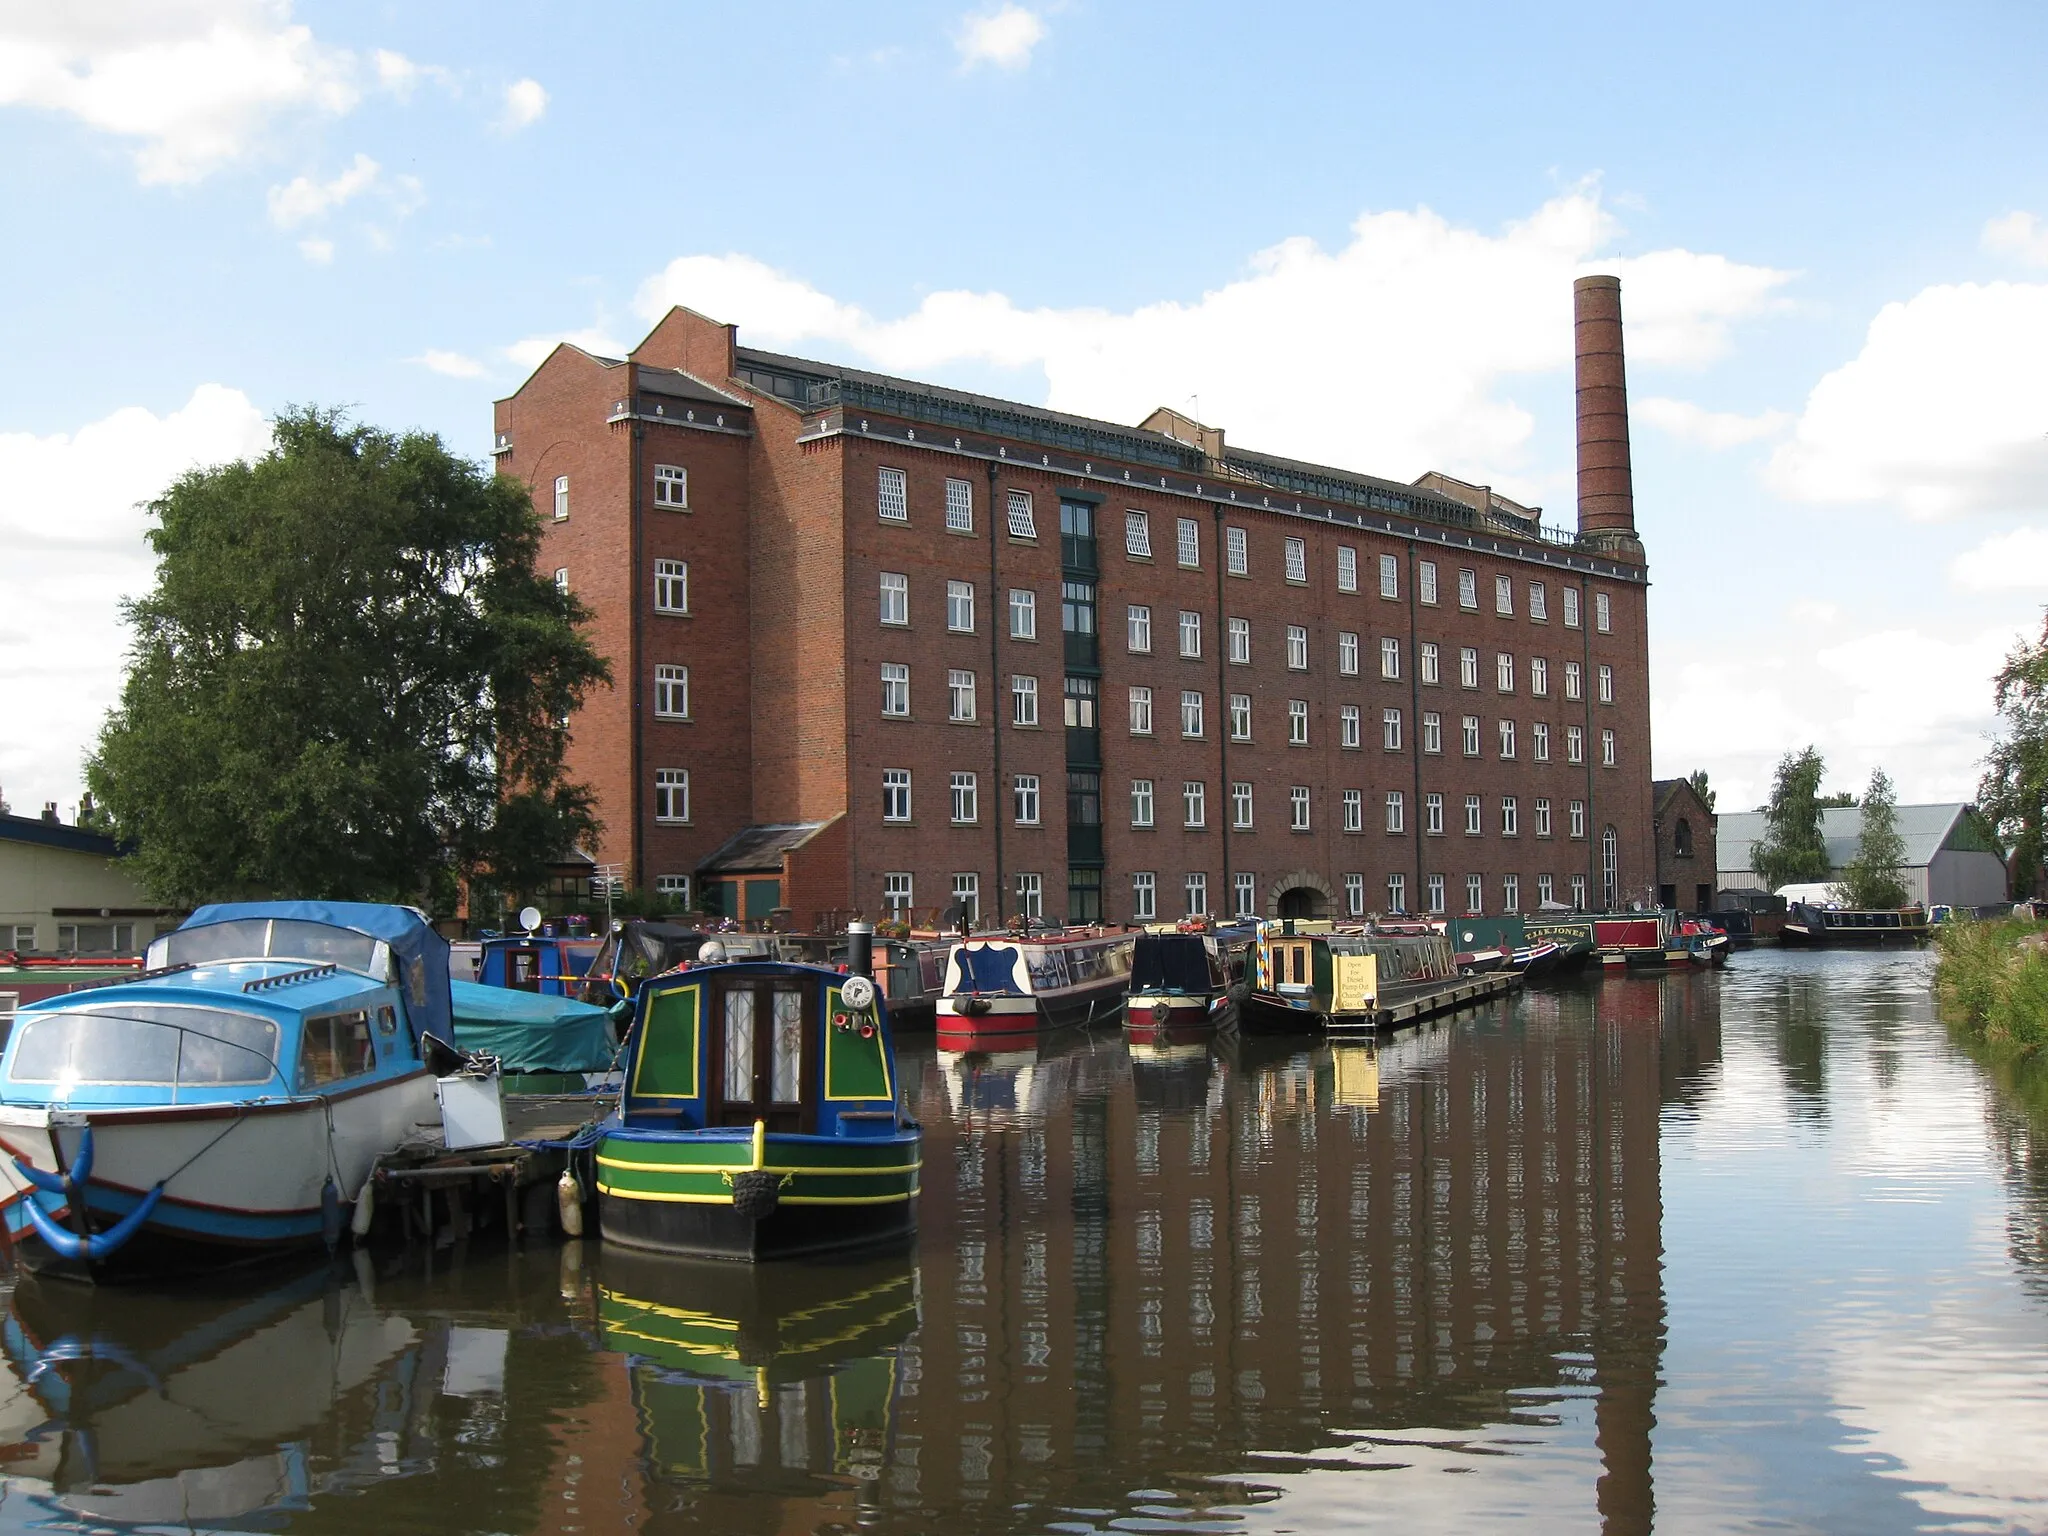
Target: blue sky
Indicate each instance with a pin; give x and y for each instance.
(1348, 232)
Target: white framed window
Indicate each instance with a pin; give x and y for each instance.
(1141, 711)
(1030, 896)
(1354, 810)
(1579, 892)
(1605, 678)
(1603, 613)
(1390, 657)
(1297, 560)
(1431, 667)
(671, 586)
(1390, 577)
(1194, 806)
(895, 794)
(1539, 677)
(1574, 687)
(1349, 730)
(1141, 802)
(1347, 653)
(561, 578)
(1144, 895)
(1190, 712)
(1469, 730)
(1297, 722)
(1539, 603)
(959, 694)
(1503, 672)
(561, 498)
(1138, 534)
(1240, 717)
(960, 607)
(1504, 596)
(1571, 606)
(1574, 744)
(1473, 812)
(1297, 807)
(1436, 893)
(1475, 894)
(1577, 822)
(1607, 749)
(1507, 738)
(895, 598)
(892, 495)
(1297, 648)
(1425, 583)
(1347, 568)
(960, 506)
(1241, 805)
(1390, 729)
(1397, 811)
(1510, 817)
(1023, 614)
(896, 689)
(1433, 815)
(1539, 741)
(966, 798)
(1240, 632)
(1237, 558)
(25, 937)
(1188, 543)
(1397, 893)
(896, 889)
(673, 889)
(671, 794)
(672, 487)
(1545, 892)
(1432, 732)
(1543, 822)
(1023, 699)
(1190, 633)
(1022, 524)
(1244, 893)
(967, 895)
(1196, 887)
(1468, 590)
(1468, 667)
(1024, 791)
(671, 692)
(1138, 629)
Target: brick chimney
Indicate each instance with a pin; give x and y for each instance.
(1607, 497)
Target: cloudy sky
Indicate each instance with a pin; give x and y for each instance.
(1343, 233)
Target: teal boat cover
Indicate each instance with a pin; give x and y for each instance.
(528, 1032)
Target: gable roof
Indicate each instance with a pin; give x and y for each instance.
(1923, 828)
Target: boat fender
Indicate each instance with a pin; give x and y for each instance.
(366, 1208)
(1161, 1013)
(101, 1245)
(331, 1218)
(973, 1005)
(756, 1193)
(569, 1204)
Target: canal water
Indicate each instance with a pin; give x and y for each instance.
(1761, 1249)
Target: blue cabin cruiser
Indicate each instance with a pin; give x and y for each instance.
(230, 1101)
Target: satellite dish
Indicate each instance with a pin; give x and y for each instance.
(529, 918)
(713, 953)
(859, 993)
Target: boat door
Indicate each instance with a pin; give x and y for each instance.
(522, 967)
(760, 1064)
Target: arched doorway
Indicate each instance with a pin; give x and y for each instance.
(1300, 893)
(1301, 901)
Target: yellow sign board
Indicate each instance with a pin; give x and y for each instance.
(1358, 983)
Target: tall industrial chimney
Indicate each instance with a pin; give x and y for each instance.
(1607, 497)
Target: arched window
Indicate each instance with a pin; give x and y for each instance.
(1610, 867)
(1681, 839)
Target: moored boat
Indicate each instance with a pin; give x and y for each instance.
(1311, 975)
(1812, 923)
(1184, 982)
(1636, 940)
(1572, 934)
(1010, 988)
(29, 978)
(1704, 943)
(549, 964)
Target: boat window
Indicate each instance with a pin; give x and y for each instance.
(786, 1069)
(251, 938)
(739, 1047)
(335, 1046)
(146, 1044)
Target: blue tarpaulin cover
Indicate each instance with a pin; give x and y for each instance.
(529, 1032)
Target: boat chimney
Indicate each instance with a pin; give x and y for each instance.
(1607, 498)
(860, 949)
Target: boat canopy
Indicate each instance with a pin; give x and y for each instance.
(531, 1031)
(1171, 962)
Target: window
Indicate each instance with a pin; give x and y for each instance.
(1138, 629)
(967, 896)
(1610, 868)
(331, 1048)
(1469, 727)
(1539, 742)
(1571, 607)
(896, 892)
(1390, 577)
(895, 794)
(1436, 893)
(1539, 603)
(1023, 614)
(1468, 667)
(960, 607)
(1241, 805)
(1579, 892)
(1507, 738)
(1390, 729)
(1433, 815)
(1504, 596)
(1475, 894)
(1431, 671)
(966, 798)
(1077, 613)
(1681, 838)
(1297, 560)
(1022, 524)
(1347, 654)
(1194, 808)
(1138, 535)
(1188, 542)
(1510, 817)
(1504, 672)
(1607, 749)
(1354, 810)
(959, 694)
(1141, 802)
(1390, 657)
(1141, 711)
(1030, 897)
(1080, 692)
(1511, 893)
(1236, 559)
(1539, 677)
(672, 692)
(1472, 815)
(1347, 568)
(1190, 712)
(1545, 892)
(1603, 613)
(895, 598)
(1244, 893)
(671, 586)
(1397, 893)
(1468, 589)
(1397, 811)
(1349, 728)
(25, 937)
(1606, 682)
(1240, 649)
(1240, 717)
(1144, 895)
(1190, 634)
(1297, 807)
(896, 689)
(1297, 648)
(1197, 888)
(671, 794)
(1574, 744)
(1578, 820)
(1297, 722)
(1543, 819)
(671, 486)
(1024, 790)
(1023, 700)
(1573, 688)
(1432, 732)
(892, 496)
(960, 506)
(1425, 583)
(561, 498)
(561, 578)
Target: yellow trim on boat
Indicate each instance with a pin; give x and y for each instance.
(616, 1162)
(682, 1199)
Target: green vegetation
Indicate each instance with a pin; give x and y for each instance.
(1702, 788)
(349, 681)
(1993, 978)
(1872, 879)
(2014, 790)
(1792, 848)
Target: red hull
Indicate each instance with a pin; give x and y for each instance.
(1151, 1023)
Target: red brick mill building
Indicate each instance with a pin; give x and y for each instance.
(883, 645)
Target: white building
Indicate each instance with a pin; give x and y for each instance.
(64, 891)
(1951, 856)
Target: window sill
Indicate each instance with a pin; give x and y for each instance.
(893, 522)
(960, 533)
(1138, 559)
(900, 626)
(1024, 640)
(1019, 725)
(954, 721)
(670, 821)
(905, 719)
(674, 719)
(1018, 538)
(672, 613)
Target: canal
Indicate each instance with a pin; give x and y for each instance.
(1713, 1252)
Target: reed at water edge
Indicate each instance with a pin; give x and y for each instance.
(1993, 977)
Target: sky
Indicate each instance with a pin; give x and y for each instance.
(1344, 233)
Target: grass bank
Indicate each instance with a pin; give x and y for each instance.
(1993, 977)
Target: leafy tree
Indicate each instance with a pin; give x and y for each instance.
(1841, 799)
(1701, 788)
(1872, 878)
(1792, 849)
(349, 681)
(2013, 794)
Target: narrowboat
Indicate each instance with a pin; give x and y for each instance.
(911, 973)
(1704, 943)
(544, 963)
(1184, 983)
(1311, 975)
(1813, 924)
(1006, 989)
(759, 1118)
(229, 1101)
(1636, 940)
(31, 978)
(1573, 936)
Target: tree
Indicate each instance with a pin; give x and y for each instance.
(2013, 793)
(1700, 787)
(1792, 849)
(349, 680)
(1872, 878)
(1841, 800)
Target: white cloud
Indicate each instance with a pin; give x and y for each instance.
(320, 252)
(1004, 37)
(2006, 562)
(302, 198)
(73, 529)
(531, 352)
(453, 364)
(525, 101)
(1944, 411)
(398, 74)
(1391, 354)
(1713, 429)
(2018, 234)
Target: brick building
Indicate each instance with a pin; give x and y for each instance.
(879, 644)
(1687, 847)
